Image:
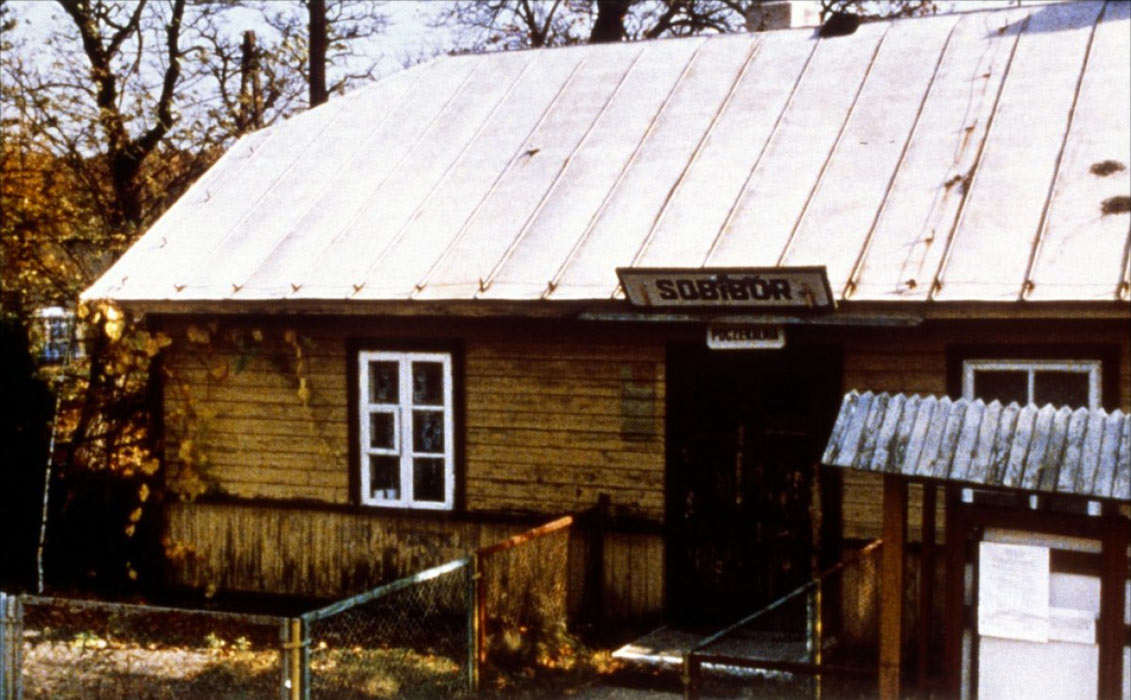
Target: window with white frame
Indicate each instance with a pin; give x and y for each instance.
(1074, 383)
(405, 421)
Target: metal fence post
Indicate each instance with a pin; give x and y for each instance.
(11, 647)
(295, 664)
(304, 655)
(472, 599)
(480, 610)
(4, 673)
(285, 681)
(692, 676)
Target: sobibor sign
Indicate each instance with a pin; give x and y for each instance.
(777, 287)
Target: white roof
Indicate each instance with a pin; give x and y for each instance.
(956, 157)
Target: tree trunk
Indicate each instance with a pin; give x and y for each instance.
(609, 26)
(318, 45)
(251, 98)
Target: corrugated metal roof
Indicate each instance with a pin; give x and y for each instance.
(1042, 449)
(945, 158)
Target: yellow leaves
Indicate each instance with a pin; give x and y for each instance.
(196, 334)
(153, 344)
(115, 322)
(143, 492)
(184, 452)
(130, 530)
(135, 514)
(149, 467)
(303, 391)
(219, 370)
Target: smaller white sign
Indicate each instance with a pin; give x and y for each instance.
(745, 336)
(1013, 591)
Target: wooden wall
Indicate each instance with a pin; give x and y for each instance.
(323, 553)
(552, 426)
(555, 416)
(549, 425)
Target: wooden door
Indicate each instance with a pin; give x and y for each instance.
(745, 432)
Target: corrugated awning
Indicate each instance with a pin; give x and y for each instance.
(1029, 448)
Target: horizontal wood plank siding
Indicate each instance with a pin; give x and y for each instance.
(549, 426)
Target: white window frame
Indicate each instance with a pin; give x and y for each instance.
(402, 412)
(1093, 368)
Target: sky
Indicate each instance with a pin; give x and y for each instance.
(409, 37)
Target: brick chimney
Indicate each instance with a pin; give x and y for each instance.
(782, 14)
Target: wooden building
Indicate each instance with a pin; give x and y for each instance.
(399, 329)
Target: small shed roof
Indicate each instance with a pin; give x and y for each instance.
(974, 156)
(1041, 449)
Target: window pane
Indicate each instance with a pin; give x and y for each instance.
(428, 431)
(1003, 385)
(383, 382)
(428, 479)
(428, 383)
(385, 476)
(1061, 389)
(382, 430)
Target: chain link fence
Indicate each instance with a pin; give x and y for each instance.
(822, 639)
(71, 649)
(523, 598)
(427, 635)
(413, 638)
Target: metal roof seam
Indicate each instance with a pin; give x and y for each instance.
(466, 225)
(218, 250)
(854, 273)
(971, 177)
(1027, 283)
(486, 282)
(832, 151)
(553, 282)
(379, 258)
(675, 188)
(248, 142)
(758, 160)
(316, 260)
(1124, 287)
(326, 185)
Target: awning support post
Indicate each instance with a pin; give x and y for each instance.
(891, 586)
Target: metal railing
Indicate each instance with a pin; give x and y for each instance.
(820, 638)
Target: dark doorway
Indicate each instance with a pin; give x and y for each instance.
(745, 434)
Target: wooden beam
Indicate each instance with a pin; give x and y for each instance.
(891, 586)
(926, 583)
(955, 610)
(1112, 632)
